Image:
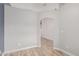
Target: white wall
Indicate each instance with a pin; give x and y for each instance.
(49, 27)
(69, 37)
(20, 28)
(36, 6)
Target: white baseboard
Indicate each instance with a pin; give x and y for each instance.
(65, 52)
(18, 50)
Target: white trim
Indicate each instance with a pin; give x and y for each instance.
(65, 52)
(18, 50)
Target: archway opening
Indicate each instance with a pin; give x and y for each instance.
(48, 26)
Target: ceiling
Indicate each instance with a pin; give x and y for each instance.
(36, 6)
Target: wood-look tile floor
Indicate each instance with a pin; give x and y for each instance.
(46, 49)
